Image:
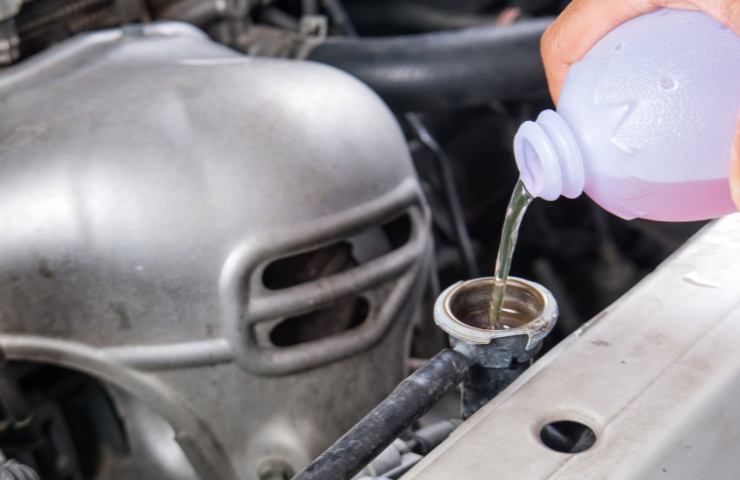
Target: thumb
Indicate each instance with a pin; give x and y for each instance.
(735, 167)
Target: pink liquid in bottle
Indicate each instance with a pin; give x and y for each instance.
(645, 122)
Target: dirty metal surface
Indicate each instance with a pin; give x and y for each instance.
(148, 178)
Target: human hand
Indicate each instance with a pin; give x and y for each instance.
(585, 22)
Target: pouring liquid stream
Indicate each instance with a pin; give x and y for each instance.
(520, 200)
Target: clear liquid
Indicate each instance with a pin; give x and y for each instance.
(518, 204)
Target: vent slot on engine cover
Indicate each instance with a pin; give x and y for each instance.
(340, 316)
(369, 244)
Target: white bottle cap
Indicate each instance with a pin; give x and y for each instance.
(548, 158)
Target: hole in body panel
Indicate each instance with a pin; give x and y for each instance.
(567, 436)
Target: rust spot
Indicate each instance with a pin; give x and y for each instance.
(44, 270)
(123, 316)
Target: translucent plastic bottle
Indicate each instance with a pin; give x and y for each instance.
(644, 123)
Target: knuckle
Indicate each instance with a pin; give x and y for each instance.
(547, 40)
(732, 12)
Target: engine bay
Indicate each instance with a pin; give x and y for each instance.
(233, 228)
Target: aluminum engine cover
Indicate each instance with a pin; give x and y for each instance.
(148, 176)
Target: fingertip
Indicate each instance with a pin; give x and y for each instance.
(728, 12)
(735, 191)
(735, 168)
(555, 71)
(576, 31)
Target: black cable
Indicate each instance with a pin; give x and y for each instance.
(309, 7)
(278, 18)
(465, 245)
(340, 17)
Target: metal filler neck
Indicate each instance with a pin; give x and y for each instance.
(529, 310)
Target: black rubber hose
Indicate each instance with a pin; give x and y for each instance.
(474, 66)
(411, 399)
(405, 16)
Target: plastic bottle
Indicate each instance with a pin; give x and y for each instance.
(644, 123)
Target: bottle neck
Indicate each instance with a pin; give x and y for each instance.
(548, 157)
